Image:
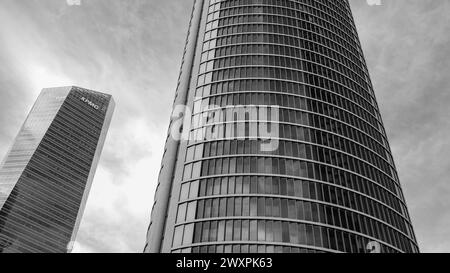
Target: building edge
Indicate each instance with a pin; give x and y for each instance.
(155, 233)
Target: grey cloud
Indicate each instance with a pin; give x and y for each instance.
(133, 50)
(407, 49)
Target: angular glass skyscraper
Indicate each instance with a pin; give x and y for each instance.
(329, 183)
(46, 176)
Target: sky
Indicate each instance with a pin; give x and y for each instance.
(132, 49)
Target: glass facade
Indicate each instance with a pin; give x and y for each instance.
(330, 183)
(46, 176)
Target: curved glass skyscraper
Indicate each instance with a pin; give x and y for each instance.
(282, 147)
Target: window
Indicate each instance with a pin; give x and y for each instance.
(200, 209)
(308, 211)
(198, 233)
(253, 185)
(237, 206)
(198, 152)
(253, 206)
(213, 232)
(181, 213)
(178, 236)
(221, 231)
(190, 215)
(184, 192)
(277, 232)
(187, 172)
(269, 231)
(224, 186)
(230, 206)
(302, 234)
(261, 184)
(223, 207)
(229, 231)
(205, 233)
(318, 236)
(193, 191)
(188, 234)
(245, 230)
(253, 230)
(261, 207)
(217, 186)
(276, 186)
(237, 230)
(239, 185)
(291, 208)
(215, 208)
(293, 233)
(298, 188)
(246, 206)
(284, 208)
(208, 207)
(309, 235)
(276, 207)
(231, 185)
(285, 235)
(196, 169)
(283, 186)
(261, 230)
(268, 209)
(290, 187)
(209, 187)
(190, 154)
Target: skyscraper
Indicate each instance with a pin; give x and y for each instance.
(46, 176)
(328, 183)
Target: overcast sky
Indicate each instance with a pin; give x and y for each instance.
(132, 49)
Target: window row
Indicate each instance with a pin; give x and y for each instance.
(284, 148)
(28, 243)
(227, 147)
(283, 131)
(298, 54)
(328, 14)
(293, 58)
(61, 161)
(65, 200)
(27, 227)
(323, 20)
(280, 40)
(275, 232)
(87, 128)
(296, 210)
(293, 167)
(354, 105)
(249, 165)
(296, 103)
(293, 188)
(284, 30)
(42, 170)
(242, 147)
(252, 72)
(305, 22)
(312, 74)
(237, 248)
(288, 123)
(210, 46)
(300, 189)
(67, 190)
(34, 209)
(80, 157)
(299, 133)
(81, 151)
